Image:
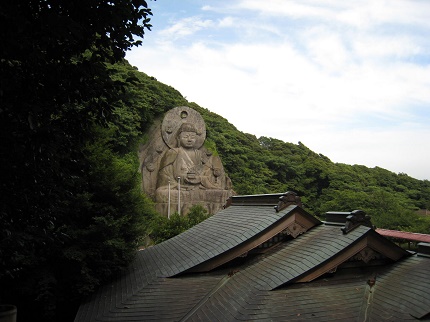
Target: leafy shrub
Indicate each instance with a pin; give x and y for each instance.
(164, 228)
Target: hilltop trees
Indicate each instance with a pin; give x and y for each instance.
(268, 165)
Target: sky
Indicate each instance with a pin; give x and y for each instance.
(348, 79)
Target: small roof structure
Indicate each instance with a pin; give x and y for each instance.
(254, 261)
(408, 236)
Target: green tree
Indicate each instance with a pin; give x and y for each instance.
(60, 205)
(164, 228)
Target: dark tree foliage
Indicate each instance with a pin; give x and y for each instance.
(64, 224)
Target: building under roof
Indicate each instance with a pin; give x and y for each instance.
(254, 261)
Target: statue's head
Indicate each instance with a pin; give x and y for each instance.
(187, 127)
(187, 135)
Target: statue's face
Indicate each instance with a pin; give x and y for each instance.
(187, 139)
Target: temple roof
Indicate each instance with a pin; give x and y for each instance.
(253, 262)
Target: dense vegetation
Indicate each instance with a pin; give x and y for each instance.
(71, 211)
(267, 165)
(163, 228)
(73, 114)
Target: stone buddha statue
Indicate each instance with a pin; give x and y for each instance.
(196, 168)
(186, 172)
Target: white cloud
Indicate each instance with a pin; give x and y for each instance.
(226, 22)
(295, 9)
(361, 14)
(376, 47)
(340, 78)
(327, 49)
(186, 27)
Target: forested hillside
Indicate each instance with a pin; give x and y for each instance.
(267, 165)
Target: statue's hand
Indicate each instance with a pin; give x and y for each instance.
(192, 178)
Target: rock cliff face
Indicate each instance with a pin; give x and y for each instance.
(177, 170)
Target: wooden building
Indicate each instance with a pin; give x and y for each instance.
(254, 261)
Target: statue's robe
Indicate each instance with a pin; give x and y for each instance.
(208, 186)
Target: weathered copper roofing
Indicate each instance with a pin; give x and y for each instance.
(290, 281)
(300, 259)
(398, 294)
(403, 290)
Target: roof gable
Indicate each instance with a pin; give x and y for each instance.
(398, 293)
(317, 252)
(366, 246)
(304, 259)
(292, 221)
